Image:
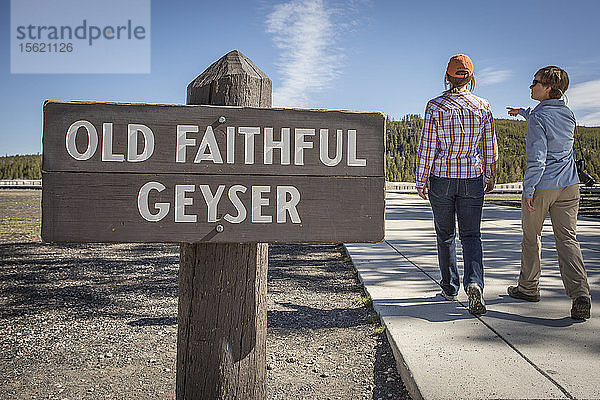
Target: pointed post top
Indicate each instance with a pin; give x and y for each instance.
(232, 80)
(232, 63)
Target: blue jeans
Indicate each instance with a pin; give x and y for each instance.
(463, 198)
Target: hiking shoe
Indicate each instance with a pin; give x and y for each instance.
(447, 296)
(581, 308)
(515, 293)
(476, 303)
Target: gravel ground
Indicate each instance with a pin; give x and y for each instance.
(99, 321)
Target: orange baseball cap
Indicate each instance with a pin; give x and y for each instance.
(460, 66)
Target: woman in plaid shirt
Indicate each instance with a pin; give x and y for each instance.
(456, 164)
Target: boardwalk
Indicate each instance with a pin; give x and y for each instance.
(516, 350)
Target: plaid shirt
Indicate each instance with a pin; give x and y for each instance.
(458, 139)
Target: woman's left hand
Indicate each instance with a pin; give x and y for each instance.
(488, 187)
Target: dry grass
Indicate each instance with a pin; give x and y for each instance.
(20, 215)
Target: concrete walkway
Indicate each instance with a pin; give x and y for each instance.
(518, 350)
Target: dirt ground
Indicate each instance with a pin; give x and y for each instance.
(98, 321)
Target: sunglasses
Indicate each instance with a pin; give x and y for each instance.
(535, 82)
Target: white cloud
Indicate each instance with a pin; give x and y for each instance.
(588, 119)
(584, 100)
(489, 76)
(585, 95)
(309, 60)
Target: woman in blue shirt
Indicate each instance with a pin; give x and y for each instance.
(551, 184)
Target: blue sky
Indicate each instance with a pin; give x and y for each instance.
(356, 54)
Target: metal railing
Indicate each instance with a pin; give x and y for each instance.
(516, 188)
(20, 184)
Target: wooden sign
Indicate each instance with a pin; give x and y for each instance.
(170, 173)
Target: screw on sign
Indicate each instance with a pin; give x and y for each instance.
(223, 176)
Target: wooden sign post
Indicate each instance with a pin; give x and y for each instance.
(224, 175)
(222, 317)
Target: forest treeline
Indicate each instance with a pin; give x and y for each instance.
(403, 136)
(401, 152)
(21, 167)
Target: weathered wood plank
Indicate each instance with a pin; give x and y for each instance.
(163, 120)
(99, 207)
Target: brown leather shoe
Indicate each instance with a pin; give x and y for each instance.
(581, 308)
(515, 293)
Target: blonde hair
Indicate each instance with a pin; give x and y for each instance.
(453, 84)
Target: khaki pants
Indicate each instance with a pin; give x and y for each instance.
(563, 205)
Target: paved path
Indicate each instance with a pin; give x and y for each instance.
(518, 349)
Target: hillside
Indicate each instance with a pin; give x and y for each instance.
(403, 136)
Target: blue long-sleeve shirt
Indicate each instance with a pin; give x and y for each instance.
(549, 147)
